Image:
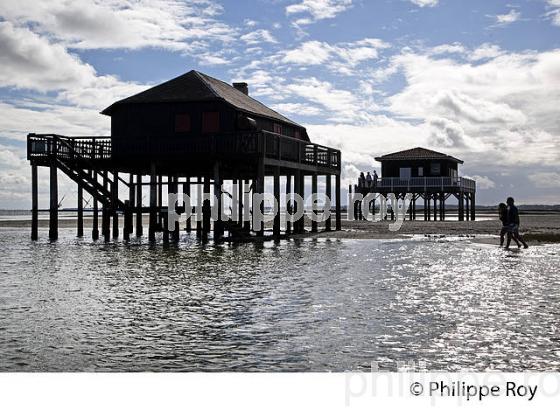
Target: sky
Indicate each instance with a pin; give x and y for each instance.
(477, 79)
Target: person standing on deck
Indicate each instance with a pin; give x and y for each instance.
(361, 180)
(513, 221)
(375, 179)
(368, 180)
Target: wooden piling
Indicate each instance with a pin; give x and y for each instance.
(247, 206)
(288, 203)
(139, 227)
(314, 203)
(105, 219)
(173, 187)
(127, 229)
(328, 193)
(473, 206)
(276, 188)
(128, 225)
(80, 216)
(218, 230)
(153, 204)
(95, 219)
(114, 200)
(297, 191)
(199, 206)
(188, 205)
(34, 203)
(159, 201)
(259, 189)
(240, 190)
(467, 206)
(338, 208)
(206, 207)
(461, 207)
(53, 210)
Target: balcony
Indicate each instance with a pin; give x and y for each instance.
(422, 184)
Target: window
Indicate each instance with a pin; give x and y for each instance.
(420, 171)
(210, 121)
(435, 168)
(297, 135)
(182, 123)
(277, 128)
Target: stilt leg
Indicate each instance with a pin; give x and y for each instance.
(53, 212)
(314, 206)
(288, 203)
(34, 203)
(206, 207)
(276, 228)
(153, 204)
(114, 200)
(139, 228)
(328, 193)
(338, 208)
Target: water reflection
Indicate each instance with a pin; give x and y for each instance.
(303, 305)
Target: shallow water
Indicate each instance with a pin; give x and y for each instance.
(311, 305)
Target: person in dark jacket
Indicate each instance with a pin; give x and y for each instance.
(361, 180)
(513, 223)
(502, 213)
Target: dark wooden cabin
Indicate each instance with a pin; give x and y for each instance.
(418, 162)
(191, 130)
(426, 174)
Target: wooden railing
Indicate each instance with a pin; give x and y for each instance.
(271, 145)
(424, 183)
(68, 148)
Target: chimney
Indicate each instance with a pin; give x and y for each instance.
(243, 87)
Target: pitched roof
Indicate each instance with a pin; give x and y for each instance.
(417, 153)
(195, 86)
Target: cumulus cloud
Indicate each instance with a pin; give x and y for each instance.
(505, 19)
(425, 3)
(448, 49)
(258, 36)
(506, 104)
(486, 50)
(85, 24)
(554, 14)
(341, 57)
(30, 61)
(297, 108)
(315, 10)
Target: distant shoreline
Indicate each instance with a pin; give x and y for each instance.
(537, 228)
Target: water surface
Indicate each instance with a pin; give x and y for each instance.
(310, 305)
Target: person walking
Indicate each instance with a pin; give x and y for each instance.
(513, 221)
(502, 213)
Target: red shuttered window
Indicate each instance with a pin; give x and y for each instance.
(182, 123)
(210, 122)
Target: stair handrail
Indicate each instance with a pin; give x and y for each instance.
(64, 140)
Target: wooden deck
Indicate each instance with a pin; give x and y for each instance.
(422, 184)
(177, 154)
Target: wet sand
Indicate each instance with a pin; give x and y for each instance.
(535, 228)
(544, 228)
